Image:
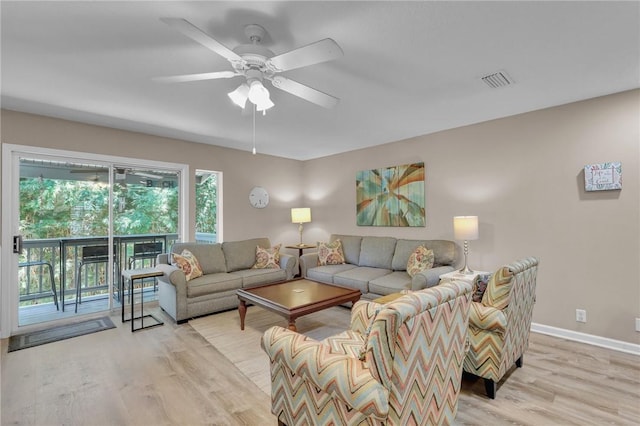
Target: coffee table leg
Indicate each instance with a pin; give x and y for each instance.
(242, 308)
(292, 324)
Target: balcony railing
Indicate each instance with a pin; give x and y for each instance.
(64, 256)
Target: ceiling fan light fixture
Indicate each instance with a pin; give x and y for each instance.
(240, 95)
(258, 94)
(263, 106)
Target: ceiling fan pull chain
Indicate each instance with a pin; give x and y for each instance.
(254, 129)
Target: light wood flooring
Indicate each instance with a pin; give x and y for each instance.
(171, 375)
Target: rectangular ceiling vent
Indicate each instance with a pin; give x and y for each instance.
(498, 79)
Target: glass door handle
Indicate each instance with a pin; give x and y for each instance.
(17, 244)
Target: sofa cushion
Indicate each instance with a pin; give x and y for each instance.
(209, 256)
(359, 277)
(188, 263)
(267, 258)
(330, 253)
(420, 260)
(242, 254)
(325, 273)
(394, 282)
(213, 283)
(350, 247)
(258, 277)
(404, 248)
(377, 252)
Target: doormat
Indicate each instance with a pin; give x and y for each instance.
(61, 332)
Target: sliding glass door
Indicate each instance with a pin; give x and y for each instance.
(80, 224)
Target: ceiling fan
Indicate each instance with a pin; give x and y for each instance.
(256, 63)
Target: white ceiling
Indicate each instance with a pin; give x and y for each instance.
(409, 68)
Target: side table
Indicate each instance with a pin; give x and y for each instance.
(301, 247)
(138, 274)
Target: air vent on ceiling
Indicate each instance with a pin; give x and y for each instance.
(498, 79)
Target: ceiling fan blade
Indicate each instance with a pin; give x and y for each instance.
(196, 77)
(196, 34)
(314, 53)
(305, 92)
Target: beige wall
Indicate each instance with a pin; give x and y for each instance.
(241, 170)
(521, 175)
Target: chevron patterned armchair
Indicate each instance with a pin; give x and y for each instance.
(499, 325)
(399, 364)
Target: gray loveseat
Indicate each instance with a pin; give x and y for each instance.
(226, 268)
(377, 266)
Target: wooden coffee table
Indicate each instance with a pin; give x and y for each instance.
(293, 299)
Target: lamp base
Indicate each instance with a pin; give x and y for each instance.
(466, 270)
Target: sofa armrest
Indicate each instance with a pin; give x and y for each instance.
(290, 264)
(487, 318)
(428, 278)
(340, 376)
(163, 259)
(308, 260)
(174, 276)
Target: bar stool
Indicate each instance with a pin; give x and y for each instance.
(142, 252)
(42, 264)
(91, 255)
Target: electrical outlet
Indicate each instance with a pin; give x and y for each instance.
(637, 324)
(581, 315)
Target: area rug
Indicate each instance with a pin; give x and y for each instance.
(61, 332)
(243, 349)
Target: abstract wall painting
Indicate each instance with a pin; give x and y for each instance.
(391, 196)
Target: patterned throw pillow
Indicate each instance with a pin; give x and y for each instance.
(267, 258)
(498, 289)
(479, 287)
(420, 260)
(188, 263)
(330, 253)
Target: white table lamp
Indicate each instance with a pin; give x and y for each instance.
(301, 215)
(465, 228)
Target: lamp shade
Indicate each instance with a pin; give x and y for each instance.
(465, 227)
(301, 215)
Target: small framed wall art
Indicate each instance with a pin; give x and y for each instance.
(603, 176)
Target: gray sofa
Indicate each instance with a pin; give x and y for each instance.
(226, 268)
(377, 266)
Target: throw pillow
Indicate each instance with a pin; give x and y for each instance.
(330, 253)
(479, 287)
(498, 289)
(267, 258)
(188, 263)
(420, 260)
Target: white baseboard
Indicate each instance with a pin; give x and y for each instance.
(590, 339)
